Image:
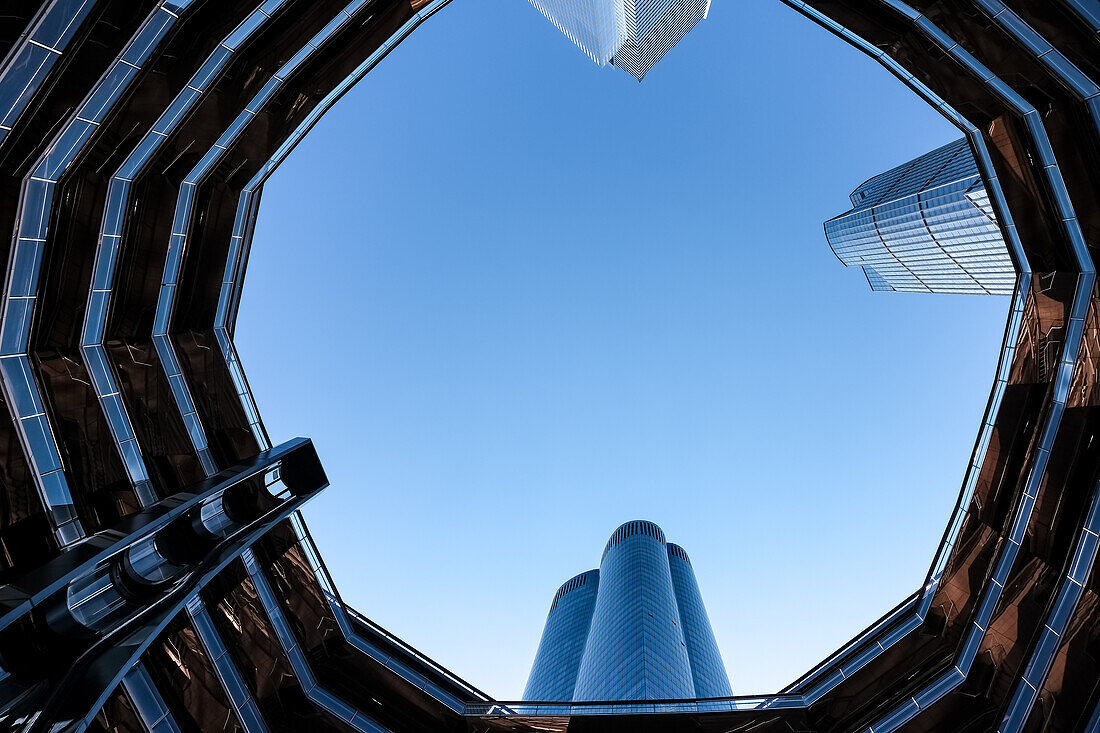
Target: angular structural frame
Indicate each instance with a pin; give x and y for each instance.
(156, 574)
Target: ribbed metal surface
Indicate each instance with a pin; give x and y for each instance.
(597, 27)
(631, 34)
(111, 527)
(658, 26)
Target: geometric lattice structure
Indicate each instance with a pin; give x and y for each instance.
(631, 34)
(155, 573)
(926, 227)
(597, 27)
(636, 629)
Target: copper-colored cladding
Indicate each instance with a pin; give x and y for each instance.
(390, 685)
(117, 716)
(188, 683)
(256, 652)
(342, 669)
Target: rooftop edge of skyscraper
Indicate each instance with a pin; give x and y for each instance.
(630, 35)
(925, 226)
(591, 647)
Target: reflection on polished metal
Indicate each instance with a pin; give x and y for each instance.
(926, 227)
(30, 59)
(636, 629)
(154, 573)
(631, 34)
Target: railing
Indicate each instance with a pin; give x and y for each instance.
(85, 685)
(747, 703)
(392, 662)
(92, 562)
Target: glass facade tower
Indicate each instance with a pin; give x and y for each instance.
(597, 27)
(658, 25)
(636, 629)
(926, 226)
(708, 674)
(631, 34)
(554, 674)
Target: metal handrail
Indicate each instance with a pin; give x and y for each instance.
(77, 697)
(82, 558)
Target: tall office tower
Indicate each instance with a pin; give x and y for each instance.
(636, 629)
(926, 226)
(708, 673)
(658, 25)
(631, 34)
(554, 673)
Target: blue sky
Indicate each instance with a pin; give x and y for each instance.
(517, 300)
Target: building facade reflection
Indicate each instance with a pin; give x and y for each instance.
(926, 226)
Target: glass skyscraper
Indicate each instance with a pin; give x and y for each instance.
(554, 673)
(631, 34)
(926, 226)
(636, 629)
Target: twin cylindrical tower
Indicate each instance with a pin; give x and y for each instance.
(636, 629)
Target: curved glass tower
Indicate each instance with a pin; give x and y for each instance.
(707, 671)
(554, 673)
(636, 629)
(926, 226)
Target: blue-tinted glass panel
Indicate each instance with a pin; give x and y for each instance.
(107, 92)
(241, 33)
(148, 38)
(17, 375)
(61, 21)
(23, 280)
(26, 73)
(16, 326)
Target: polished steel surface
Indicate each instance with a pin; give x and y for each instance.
(155, 574)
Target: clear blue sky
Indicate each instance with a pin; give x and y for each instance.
(516, 300)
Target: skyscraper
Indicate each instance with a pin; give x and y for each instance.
(554, 673)
(926, 226)
(708, 673)
(631, 34)
(636, 629)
